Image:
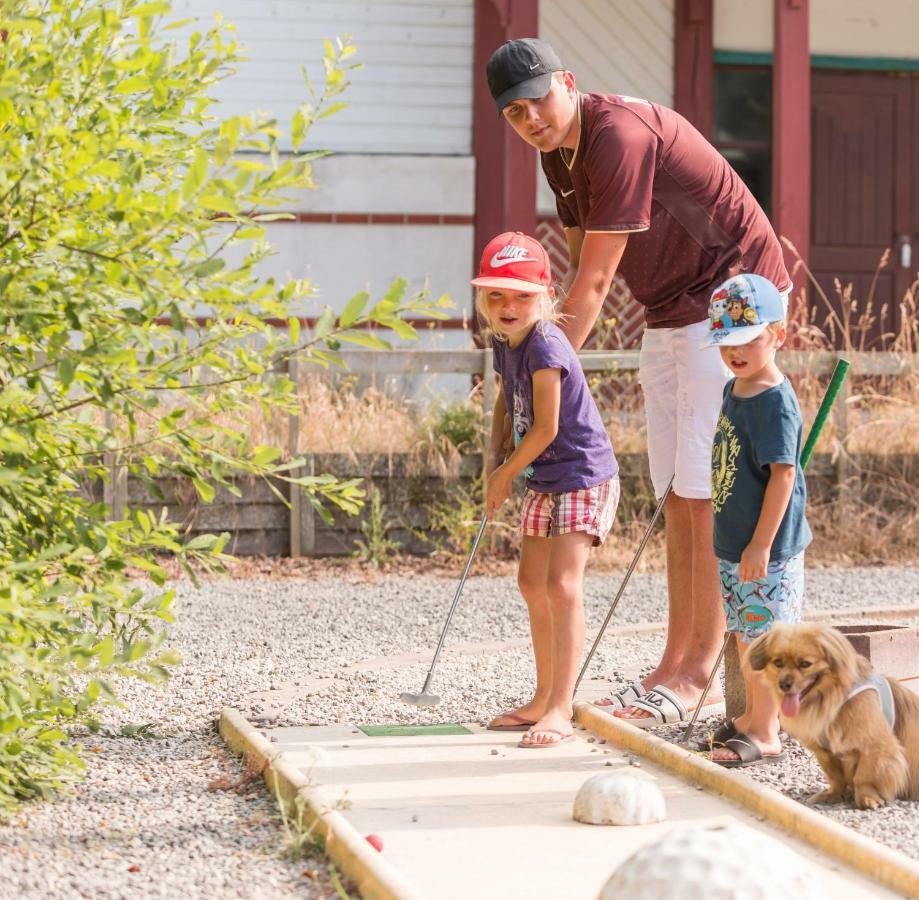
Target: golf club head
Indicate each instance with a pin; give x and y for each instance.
(419, 699)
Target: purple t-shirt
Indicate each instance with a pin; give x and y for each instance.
(581, 455)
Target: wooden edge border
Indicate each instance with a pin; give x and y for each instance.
(886, 866)
(373, 876)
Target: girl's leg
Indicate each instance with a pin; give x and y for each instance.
(531, 578)
(566, 557)
(760, 720)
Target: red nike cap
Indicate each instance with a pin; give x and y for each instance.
(514, 261)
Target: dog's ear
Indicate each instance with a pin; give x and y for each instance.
(837, 651)
(758, 653)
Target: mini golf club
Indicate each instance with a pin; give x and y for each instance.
(424, 698)
(628, 574)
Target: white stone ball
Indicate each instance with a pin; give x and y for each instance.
(719, 861)
(620, 798)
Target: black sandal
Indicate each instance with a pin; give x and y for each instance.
(726, 730)
(749, 754)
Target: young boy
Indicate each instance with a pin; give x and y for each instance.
(758, 496)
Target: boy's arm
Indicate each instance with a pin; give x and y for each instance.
(755, 557)
(547, 398)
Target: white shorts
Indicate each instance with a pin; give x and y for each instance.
(683, 386)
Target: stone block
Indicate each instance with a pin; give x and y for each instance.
(892, 649)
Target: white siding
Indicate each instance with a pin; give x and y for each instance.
(861, 28)
(612, 46)
(341, 260)
(443, 185)
(743, 25)
(413, 94)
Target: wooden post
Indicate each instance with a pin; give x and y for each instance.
(307, 513)
(844, 472)
(735, 695)
(791, 129)
(293, 443)
(505, 166)
(693, 68)
(115, 487)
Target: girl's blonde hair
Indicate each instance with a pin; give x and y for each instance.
(548, 310)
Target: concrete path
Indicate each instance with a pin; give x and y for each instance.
(473, 815)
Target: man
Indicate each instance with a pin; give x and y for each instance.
(641, 192)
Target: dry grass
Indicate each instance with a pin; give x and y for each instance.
(872, 517)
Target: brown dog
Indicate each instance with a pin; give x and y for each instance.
(812, 669)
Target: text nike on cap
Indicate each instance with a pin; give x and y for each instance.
(513, 261)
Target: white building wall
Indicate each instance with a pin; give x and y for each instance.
(401, 147)
(612, 46)
(860, 28)
(413, 94)
(441, 185)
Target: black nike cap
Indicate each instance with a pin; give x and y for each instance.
(521, 69)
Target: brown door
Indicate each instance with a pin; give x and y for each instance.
(865, 184)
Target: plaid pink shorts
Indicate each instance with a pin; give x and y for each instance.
(591, 510)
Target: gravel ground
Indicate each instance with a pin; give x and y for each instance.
(177, 817)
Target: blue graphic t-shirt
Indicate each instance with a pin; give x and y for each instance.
(581, 455)
(753, 432)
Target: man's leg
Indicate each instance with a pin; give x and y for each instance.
(695, 619)
(695, 624)
(658, 377)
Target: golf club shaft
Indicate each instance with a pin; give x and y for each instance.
(840, 371)
(456, 596)
(628, 574)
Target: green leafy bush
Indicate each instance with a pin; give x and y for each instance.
(460, 422)
(132, 330)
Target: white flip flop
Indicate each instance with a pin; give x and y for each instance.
(623, 698)
(667, 708)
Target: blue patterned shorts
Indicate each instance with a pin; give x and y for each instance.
(751, 607)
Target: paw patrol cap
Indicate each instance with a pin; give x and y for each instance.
(740, 310)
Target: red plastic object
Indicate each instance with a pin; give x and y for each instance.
(375, 841)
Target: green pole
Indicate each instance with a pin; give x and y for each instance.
(829, 398)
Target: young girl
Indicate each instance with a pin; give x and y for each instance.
(572, 481)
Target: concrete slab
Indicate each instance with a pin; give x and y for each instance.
(476, 816)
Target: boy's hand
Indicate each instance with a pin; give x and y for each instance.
(753, 562)
(498, 490)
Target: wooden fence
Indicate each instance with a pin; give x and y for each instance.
(302, 517)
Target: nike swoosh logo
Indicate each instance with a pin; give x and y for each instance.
(497, 263)
(534, 66)
(567, 193)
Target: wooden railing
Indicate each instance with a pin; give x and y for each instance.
(480, 362)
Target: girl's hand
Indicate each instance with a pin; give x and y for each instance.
(753, 562)
(498, 490)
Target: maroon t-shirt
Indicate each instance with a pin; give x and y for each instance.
(643, 168)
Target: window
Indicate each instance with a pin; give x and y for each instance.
(743, 125)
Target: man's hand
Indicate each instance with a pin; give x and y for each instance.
(753, 562)
(500, 483)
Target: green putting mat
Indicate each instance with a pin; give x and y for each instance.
(411, 730)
